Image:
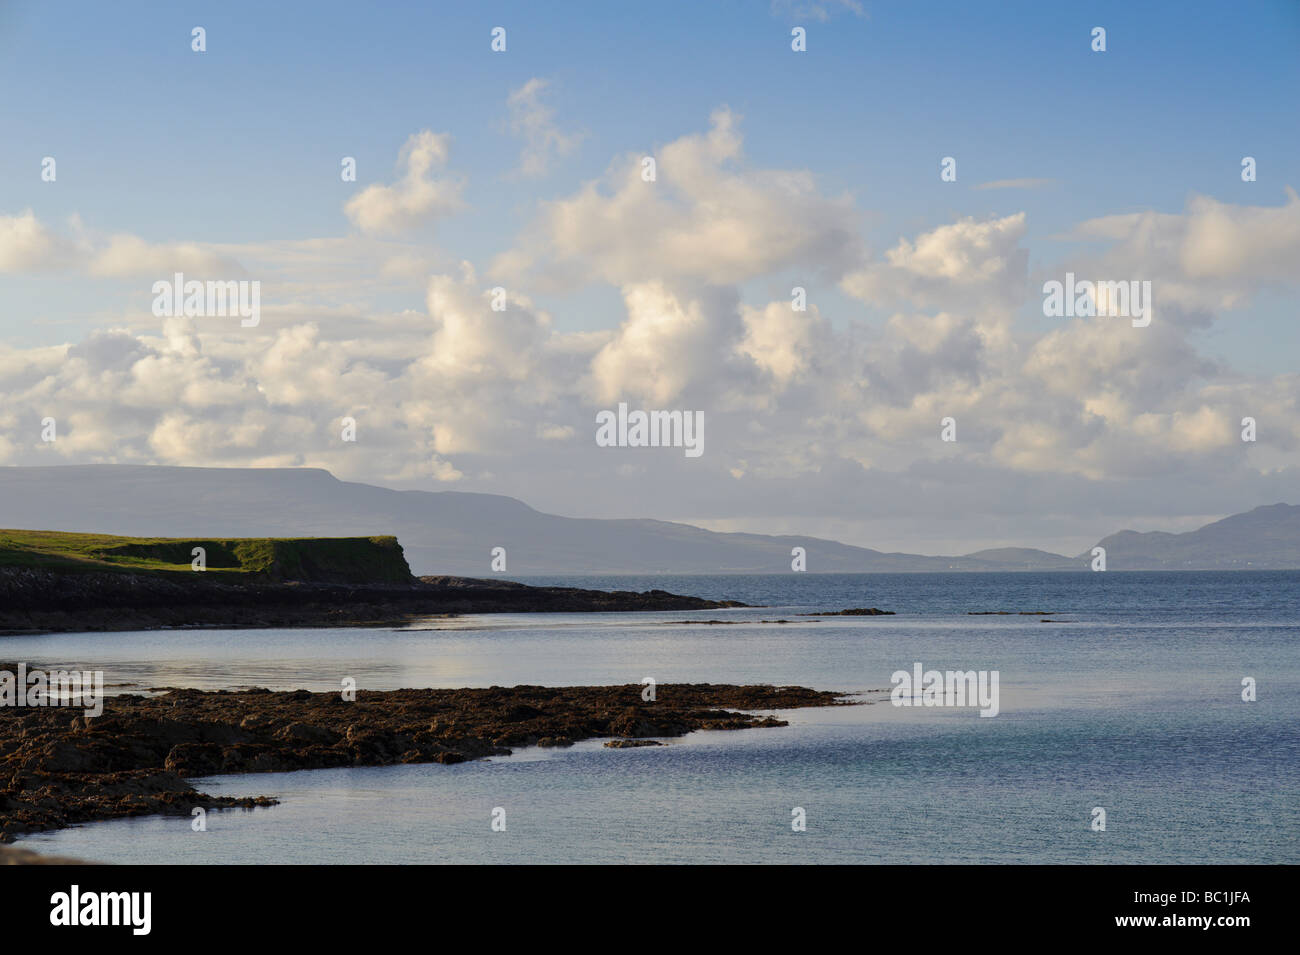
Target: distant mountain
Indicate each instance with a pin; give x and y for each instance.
(442, 532)
(453, 532)
(1025, 558)
(1267, 538)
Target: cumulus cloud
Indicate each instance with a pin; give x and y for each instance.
(665, 344)
(534, 121)
(812, 415)
(26, 245)
(1215, 255)
(949, 265)
(416, 198)
(782, 342)
(193, 394)
(706, 217)
(801, 412)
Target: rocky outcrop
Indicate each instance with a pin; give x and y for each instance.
(59, 769)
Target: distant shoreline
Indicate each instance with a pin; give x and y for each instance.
(43, 601)
(454, 532)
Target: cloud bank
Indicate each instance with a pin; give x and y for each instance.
(822, 419)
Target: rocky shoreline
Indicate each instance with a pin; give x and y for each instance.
(59, 768)
(43, 600)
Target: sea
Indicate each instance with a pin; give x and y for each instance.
(1143, 718)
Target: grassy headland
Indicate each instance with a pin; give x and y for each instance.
(375, 560)
(57, 581)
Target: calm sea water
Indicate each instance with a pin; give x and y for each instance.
(1130, 701)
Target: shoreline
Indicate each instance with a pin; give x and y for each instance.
(35, 600)
(59, 768)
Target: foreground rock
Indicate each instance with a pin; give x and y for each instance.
(36, 599)
(12, 856)
(57, 768)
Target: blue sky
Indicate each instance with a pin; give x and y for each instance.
(240, 145)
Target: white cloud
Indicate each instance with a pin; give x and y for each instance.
(417, 198)
(1215, 255)
(706, 218)
(534, 121)
(28, 246)
(128, 255)
(662, 347)
(811, 414)
(949, 265)
(782, 342)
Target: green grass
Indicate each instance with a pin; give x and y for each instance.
(326, 559)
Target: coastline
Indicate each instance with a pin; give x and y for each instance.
(41, 600)
(59, 768)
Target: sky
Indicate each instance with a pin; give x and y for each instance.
(521, 170)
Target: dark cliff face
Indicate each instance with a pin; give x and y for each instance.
(39, 599)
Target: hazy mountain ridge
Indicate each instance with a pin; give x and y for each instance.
(1266, 538)
(454, 532)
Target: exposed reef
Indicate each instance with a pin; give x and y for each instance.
(59, 768)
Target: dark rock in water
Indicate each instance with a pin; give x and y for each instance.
(136, 758)
(715, 623)
(855, 612)
(631, 743)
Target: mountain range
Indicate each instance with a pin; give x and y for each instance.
(454, 532)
